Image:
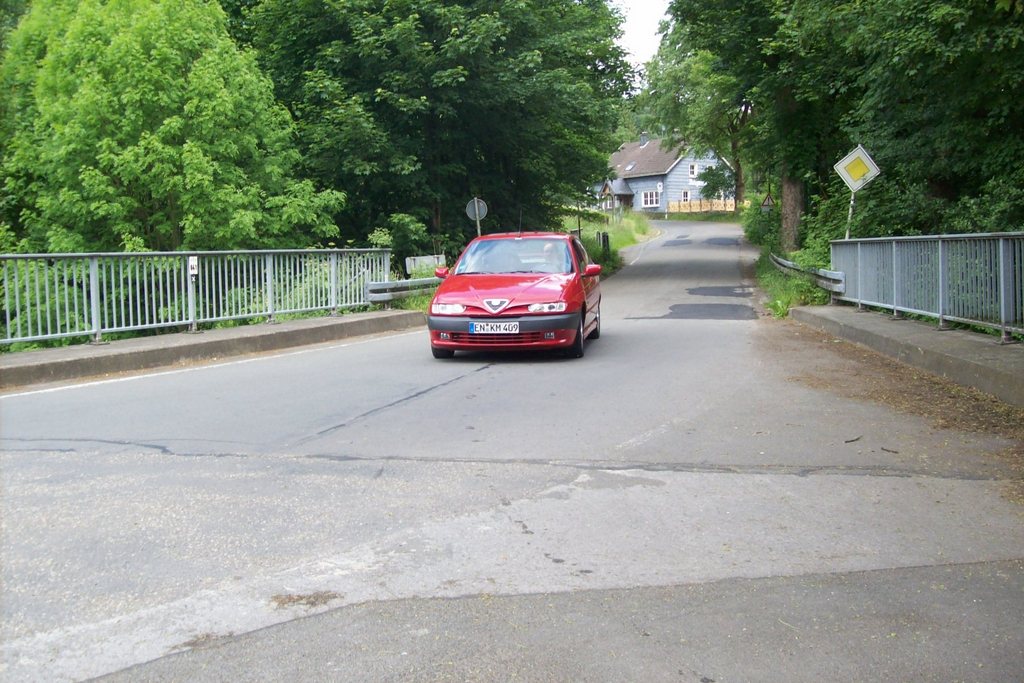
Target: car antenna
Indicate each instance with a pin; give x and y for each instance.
(520, 223)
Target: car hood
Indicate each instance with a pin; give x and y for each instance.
(519, 289)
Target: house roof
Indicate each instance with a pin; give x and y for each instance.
(618, 186)
(638, 159)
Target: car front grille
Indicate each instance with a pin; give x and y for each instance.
(497, 339)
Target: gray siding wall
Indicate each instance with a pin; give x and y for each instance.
(679, 178)
(646, 184)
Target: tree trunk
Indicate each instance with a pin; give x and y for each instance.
(792, 209)
(737, 171)
(741, 186)
(435, 218)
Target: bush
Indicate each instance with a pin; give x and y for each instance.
(761, 227)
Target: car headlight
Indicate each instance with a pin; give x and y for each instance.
(447, 309)
(554, 307)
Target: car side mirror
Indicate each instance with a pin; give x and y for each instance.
(592, 270)
(441, 272)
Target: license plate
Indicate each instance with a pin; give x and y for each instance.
(494, 328)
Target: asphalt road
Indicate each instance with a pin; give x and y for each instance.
(674, 506)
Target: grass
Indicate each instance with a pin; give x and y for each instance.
(785, 291)
(416, 302)
(706, 217)
(623, 231)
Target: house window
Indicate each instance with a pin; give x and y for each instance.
(693, 170)
(686, 195)
(651, 199)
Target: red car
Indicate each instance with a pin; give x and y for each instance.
(515, 292)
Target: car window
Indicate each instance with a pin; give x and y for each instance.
(546, 256)
(516, 256)
(582, 258)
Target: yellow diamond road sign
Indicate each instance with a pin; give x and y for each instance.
(857, 169)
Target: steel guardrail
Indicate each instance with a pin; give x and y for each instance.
(384, 292)
(53, 296)
(833, 281)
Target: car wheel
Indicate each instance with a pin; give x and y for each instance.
(596, 332)
(442, 353)
(576, 350)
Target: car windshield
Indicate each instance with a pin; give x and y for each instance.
(516, 256)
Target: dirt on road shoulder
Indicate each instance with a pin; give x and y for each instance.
(853, 371)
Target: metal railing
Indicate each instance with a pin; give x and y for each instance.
(50, 296)
(974, 279)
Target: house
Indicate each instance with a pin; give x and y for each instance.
(651, 178)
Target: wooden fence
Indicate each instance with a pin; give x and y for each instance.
(702, 205)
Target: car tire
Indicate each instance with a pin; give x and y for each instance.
(442, 353)
(576, 350)
(596, 332)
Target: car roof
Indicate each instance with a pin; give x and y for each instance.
(524, 235)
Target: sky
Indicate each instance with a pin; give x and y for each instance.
(640, 29)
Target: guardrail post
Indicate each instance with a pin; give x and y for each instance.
(1005, 292)
(268, 267)
(334, 284)
(833, 296)
(897, 282)
(191, 283)
(943, 265)
(860, 280)
(94, 299)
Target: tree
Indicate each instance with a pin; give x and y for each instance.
(757, 50)
(698, 106)
(139, 125)
(930, 88)
(10, 14)
(941, 112)
(415, 106)
(732, 37)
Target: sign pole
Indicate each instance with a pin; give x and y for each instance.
(849, 216)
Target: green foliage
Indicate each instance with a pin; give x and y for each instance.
(380, 238)
(761, 227)
(719, 181)
(415, 106)
(416, 302)
(691, 101)
(611, 261)
(8, 240)
(940, 82)
(404, 235)
(134, 124)
(10, 14)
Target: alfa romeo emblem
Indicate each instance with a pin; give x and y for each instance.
(495, 305)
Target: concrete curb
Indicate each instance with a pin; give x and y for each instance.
(968, 358)
(89, 360)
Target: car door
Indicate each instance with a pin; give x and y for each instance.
(591, 285)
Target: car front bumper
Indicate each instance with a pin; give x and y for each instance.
(535, 332)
